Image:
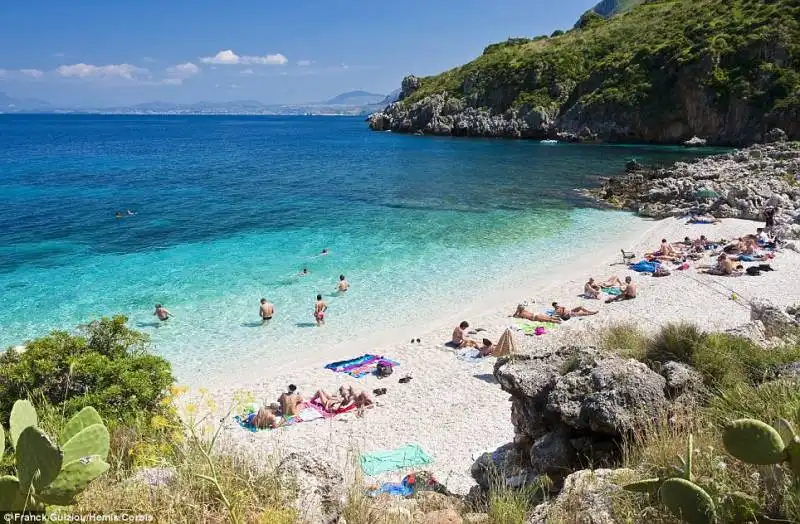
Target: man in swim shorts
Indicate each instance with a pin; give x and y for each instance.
(266, 310)
(319, 310)
(460, 339)
(344, 285)
(162, 313)
(628, 292)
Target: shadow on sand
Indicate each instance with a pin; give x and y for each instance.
(486, 377)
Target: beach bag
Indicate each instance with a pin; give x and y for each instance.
(765, 267)
(753, 271)
(383, 369)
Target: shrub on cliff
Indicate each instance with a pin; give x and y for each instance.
(105, 365)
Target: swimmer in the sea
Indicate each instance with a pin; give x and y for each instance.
(324, 252)
(119, 214)
(304, 272)
(266, 311)
(319, 310)
(162, 313)
(343, 285)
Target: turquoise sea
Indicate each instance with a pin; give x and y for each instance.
(230, 209)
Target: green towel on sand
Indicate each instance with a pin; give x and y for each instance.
(396, 459)
(528, 327)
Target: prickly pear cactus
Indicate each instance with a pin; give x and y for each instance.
(72, 480)
(754, 442)
(786, 431)
(93, 440)
(86, 417)
(38, 459)
(644, 486)
(687, 500)
(47, 474)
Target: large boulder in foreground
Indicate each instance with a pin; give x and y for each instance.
(314, 488)
(570, 407)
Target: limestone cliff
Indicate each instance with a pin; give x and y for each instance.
(663, 72)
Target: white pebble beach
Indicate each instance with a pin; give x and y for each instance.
(454, 409)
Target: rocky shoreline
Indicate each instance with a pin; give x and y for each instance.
(740, 184)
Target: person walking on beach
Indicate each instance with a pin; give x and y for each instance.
(266, 310)
(319, 310)
(344, 285)
(162, 313)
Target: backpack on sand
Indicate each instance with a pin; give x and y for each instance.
(753, 271)
(383, 369)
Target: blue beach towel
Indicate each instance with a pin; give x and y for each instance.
(643, 266)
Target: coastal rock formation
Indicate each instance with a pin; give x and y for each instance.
(776, 321)
(587, 495)
(746, 180)
(620, 80)
(571, 406)
(319, 491)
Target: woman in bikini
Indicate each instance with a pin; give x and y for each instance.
(521, 312)
(579, 311)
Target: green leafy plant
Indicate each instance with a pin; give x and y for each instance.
(50, 473)
(106, 365)
(755, 442)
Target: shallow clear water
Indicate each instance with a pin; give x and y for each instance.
(229, 209)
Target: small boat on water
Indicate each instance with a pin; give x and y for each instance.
(548, 141)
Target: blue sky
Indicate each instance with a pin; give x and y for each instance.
(93, 52)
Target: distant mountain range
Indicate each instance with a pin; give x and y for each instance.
(352, 103)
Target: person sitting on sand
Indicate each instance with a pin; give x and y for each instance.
(487, 348)
(521, 312)
(612, 281)
(628, 291)
(666, 249)
(591, 290)
(290, 401)
(724, 266)
(579, 311)
(460, 340)
(700, 244)
(266, 417)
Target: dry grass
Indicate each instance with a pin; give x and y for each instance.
(625, 340)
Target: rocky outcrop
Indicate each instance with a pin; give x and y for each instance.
(586, 498)
(571, 407)
(747, 181)
(314, 488)
(777, 322)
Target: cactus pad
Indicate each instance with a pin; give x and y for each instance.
(754, 442)
(11, 499)
(22, 415)
(644, 486)
(82, 420)
(38, 459)
(93, 440)
(72, 480)
(688, 501)
(785, 430)
(740, 507)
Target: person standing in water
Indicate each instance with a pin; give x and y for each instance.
(162, 313)
(319, 311)
(266, 310)
(343, 285)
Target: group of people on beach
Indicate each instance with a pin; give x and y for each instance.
(291, 402)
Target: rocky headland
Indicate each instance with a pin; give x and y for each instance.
(740, 184)
(642, 75)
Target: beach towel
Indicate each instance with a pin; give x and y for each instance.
(612, 291)
(473, 356)
(402, 489)
(393, 460)
(308, 412)
(359, 366)
(529, 327)
(643, 266)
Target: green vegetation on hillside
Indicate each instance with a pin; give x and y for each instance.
(744, 50)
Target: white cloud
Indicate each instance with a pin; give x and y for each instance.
(183, 70)
(304, 63)
(228, 57)
(247, 71)
(126, 71)
(33, 73)
(148, 60)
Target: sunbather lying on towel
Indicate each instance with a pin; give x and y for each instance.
(725, 267)
(704, 219)
(290, 401)
(266, 417)
(345, 398)
(628, 291)
(521, 312)
(579, 311)
(487, 348)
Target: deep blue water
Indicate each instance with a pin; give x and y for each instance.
(229, 209)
